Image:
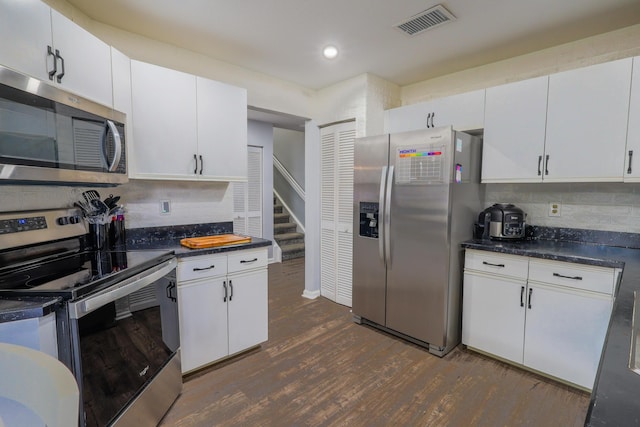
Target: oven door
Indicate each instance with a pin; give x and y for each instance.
(128, 365)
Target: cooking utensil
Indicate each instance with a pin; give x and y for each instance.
(111, 201)
(91, 195)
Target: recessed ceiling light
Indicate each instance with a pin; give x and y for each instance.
(330, 52)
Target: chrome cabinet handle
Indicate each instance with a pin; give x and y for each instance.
(204, 268)
(630, 158)
(432, 116)
(244, 261)
(61, 74)
(428, 118)
(117, 145)
(529, 303)
(231, 287)
(55, 62)
(195, 160)
(201, 164)
(521, 296)
(567, 277)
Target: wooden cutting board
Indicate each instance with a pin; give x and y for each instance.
(213, 241)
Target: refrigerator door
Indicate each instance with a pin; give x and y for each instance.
(418, 262)
(369, 274)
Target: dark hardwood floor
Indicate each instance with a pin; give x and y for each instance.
(321, 369)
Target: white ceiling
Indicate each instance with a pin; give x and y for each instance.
(284, 38)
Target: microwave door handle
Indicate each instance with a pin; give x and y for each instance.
(117, 142)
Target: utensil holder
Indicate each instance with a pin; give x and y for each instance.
(99, 236)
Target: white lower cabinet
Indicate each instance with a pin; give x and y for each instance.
(549, 316)
(223, 306)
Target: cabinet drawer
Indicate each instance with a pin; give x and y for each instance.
(201, 266)
(247, 260)
(578, 276)
(491, 262)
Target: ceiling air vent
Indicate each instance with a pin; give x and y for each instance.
(426, 20)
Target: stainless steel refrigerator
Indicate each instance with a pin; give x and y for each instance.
(416, 197)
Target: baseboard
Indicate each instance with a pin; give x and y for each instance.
(310, 294)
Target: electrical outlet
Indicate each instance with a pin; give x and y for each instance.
(555, 209)
(165, 207)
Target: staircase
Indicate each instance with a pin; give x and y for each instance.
(284, 232)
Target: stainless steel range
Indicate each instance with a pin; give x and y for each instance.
(125, 355)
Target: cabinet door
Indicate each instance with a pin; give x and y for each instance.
(248, 310)
(203, 322)
(565, 331)
(164, 128)
(515, 120)
(25, 33)
(493, 315)
(222, 131)
(632, 153)
(464, 111)
(587, 121)
(87, 60)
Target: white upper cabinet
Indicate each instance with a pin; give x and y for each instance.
(187, 127)
(40, 42)
(632, 153)
(25, 33)
(164, 125)
(222, 130)
(86, 59)
(515, 120)
(464, 111)
(587, 117)
(567, 127)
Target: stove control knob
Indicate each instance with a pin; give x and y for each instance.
(63, 220)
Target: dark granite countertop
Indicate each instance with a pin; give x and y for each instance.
(15, 308)
(615, 395)
(168, 237)
(181, 251)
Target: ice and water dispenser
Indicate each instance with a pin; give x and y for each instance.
(369, 219)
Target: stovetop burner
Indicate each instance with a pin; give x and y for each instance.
(52, 257)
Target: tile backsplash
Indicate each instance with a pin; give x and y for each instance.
(190, 202)
(592, 206)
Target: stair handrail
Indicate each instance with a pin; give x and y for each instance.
(288, 177)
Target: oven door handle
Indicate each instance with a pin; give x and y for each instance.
(85, 306)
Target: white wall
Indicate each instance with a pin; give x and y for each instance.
(602, 48)
(288, 148)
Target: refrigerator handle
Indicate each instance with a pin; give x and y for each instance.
(387, 218)
(381, 215)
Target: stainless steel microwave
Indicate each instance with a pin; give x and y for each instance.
(50, 136)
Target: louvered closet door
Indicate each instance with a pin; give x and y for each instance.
(247, 197)
(336, 238)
